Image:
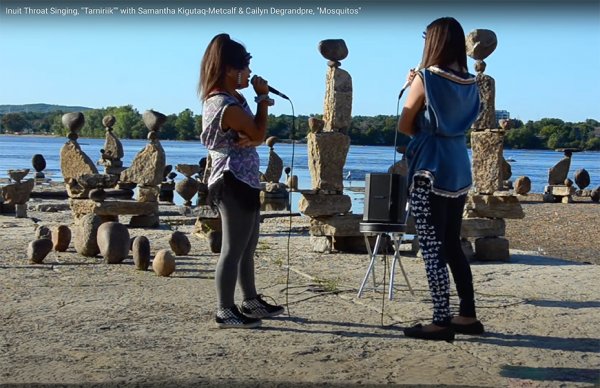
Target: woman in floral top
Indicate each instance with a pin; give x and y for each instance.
(231, 133)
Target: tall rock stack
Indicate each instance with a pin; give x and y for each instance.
(487, 207)
(112, 153)
(273, 194)
(73, 161)
(332, 227)
(147, 170)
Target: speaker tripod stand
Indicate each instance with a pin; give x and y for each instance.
(381, 230)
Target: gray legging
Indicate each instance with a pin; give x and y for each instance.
(240, 235)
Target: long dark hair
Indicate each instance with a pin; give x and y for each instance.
(220, 53)
(444, 44)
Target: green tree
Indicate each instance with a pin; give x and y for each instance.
(93, 126)
(185, 125)
(198, 125)
(169, 130)
(127, 118)
(13, 122)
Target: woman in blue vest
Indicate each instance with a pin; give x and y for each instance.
(442, 103)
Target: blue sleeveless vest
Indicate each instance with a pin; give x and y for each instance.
(438, 150)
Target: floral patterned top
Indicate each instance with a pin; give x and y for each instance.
(226, 155)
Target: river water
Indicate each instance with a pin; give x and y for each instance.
(16, 153)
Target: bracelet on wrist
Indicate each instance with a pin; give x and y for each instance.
(264, 98)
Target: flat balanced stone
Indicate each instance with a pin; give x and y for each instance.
(112, 208)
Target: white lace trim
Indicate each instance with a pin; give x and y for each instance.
(440, 192)
(451, 77)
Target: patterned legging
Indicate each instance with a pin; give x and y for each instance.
(438, 220)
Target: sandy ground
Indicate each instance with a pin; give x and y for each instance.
(75, 320)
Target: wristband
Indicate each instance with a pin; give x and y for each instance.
(264, 97)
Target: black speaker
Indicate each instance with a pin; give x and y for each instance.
(385, 198)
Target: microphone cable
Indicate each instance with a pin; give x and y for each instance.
(290, 214)
(387, 242)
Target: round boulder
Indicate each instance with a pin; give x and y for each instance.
(73, 121)
(113, 241)
(163, 263)
(140, 249)
(109, 121)
(86, 229)
(522, 185)
(61, 237)
(38, 162)
(153, 120)
(180, 244)
(582, 178)
(333, 49)
(37, 250)
(481, 43)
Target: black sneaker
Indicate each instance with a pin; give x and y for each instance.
(258, 308)
(232, 318)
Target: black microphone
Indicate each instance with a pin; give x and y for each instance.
(273, 90)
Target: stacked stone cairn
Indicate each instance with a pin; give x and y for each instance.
(332, 226)
(487, 206)
(560, 187)
(273, 194)
(167, 186)
(16, 193)
(146, 171)
(85, 186)
(112, 153)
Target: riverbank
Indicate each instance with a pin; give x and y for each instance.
(75, 320)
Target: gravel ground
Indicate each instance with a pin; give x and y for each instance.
(565, 231)
(77, 321)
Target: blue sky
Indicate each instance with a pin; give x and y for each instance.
(546, 64)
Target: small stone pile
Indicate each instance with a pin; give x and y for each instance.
(332, 225)
(112, 153)
(14, 196)
(273, 194)
(560, 187)
(487, 206)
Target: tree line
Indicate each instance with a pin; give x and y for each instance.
(547, 133)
